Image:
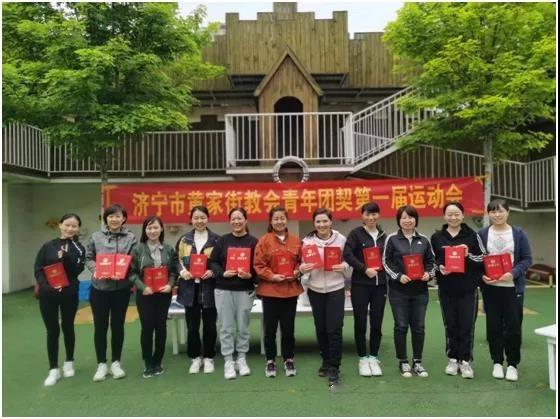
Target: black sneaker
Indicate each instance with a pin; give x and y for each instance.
(333, 376)
(158, 370)
(270, 370)
(323, 370)
(290, 368)
(148, 372)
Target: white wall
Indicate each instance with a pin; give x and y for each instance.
(5, 235)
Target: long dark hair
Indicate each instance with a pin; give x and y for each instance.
(319, 211)
(150, 220)
(271, 214)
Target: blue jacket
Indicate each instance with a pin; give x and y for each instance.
(522, 257)
(186, 288)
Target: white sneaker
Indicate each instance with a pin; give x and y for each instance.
(68, 369)
(242, 367)
(229, 370)
(452, 367)
(466, 370)
(208, 365)
(375, 367)
(117, 371)
(53, 377)
(101, 372)
(196, 363)
(498, 371)
(511, 373)
(363, 368)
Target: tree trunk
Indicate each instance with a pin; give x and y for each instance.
(488, 167)
(103, 173)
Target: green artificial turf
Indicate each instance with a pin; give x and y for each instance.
(176, 393)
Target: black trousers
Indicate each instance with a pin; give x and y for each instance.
(504, 316)
(153, 318)
(50, 305)
(459, 318)
(193, 315)
(105, 306)
(275, 311)
(409, 310)
(364, 297)
(328, 315)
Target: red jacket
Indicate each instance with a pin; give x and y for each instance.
(264, 264)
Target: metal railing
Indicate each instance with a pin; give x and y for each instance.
(379, 126)
(264, 138)
(156, 152)
(525, 183)
(25, 146)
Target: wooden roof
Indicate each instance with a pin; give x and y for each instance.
(288, 54)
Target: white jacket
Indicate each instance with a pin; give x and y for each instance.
(320, 280)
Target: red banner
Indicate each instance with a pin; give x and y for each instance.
(173, 201)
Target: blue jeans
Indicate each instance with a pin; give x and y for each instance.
(408, 310)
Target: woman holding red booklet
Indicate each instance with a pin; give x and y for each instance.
(196, 290)
(326, 289)
(458, 251)
(408, 259)
(109, 295)
(153, 271)
(57, 266)
(277, 258)
(363, 250)
(503, 298)
(231, 263)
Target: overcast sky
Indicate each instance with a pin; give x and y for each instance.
(368, 16)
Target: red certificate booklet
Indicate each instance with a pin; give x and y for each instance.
(310, 254)
(413, 266)
(122, 263)
(333, 256)
(506, 262)
(56, 275)
(105, 265)
(372, 258)
(156, 278)
(284, 264)
(455, 259)
(493, 266)
(197, 265)
(238, 258)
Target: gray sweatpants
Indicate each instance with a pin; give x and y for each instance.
(234, 311)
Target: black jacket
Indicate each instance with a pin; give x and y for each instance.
(458, 283)
(218, 262)
(186, 288)
(398, 245)
(357, 240)
(73, 261)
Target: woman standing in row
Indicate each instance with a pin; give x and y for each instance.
(152, 303)
(326, 293)
(408, 294)
(67, 250)
(197, 294)
(458, 294)
(369, 289)
(235, 292)
(503, 298)
(109, 297)
(277, 258)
